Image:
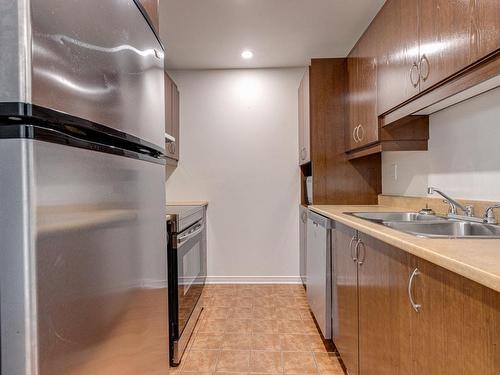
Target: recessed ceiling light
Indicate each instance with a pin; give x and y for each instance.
(246, 54)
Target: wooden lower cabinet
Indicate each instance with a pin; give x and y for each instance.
(455, 331)
(384, 312)
(345, 327)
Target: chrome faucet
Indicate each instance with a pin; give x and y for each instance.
(489, 215)
(467, 209)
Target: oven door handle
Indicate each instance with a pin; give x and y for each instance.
(182, 239)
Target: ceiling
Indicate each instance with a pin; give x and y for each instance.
(211, 34)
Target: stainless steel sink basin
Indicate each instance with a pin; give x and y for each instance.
(447, 229)
(397, 216)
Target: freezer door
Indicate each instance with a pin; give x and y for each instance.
(100, 61)
(97, 265)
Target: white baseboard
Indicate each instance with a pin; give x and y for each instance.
(254, 280)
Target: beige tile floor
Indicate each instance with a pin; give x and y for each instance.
(257, 329)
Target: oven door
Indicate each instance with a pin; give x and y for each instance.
(189, 248)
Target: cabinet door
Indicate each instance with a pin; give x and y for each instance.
(175, 122)
(362, 128)
(353, 121)
(168, 105)
(172, 117)
(346, 286)
(457, 330)
(397, 53)
(304, 120)
(455, 34)
(368, 132)
(151, 7)
(384, 310)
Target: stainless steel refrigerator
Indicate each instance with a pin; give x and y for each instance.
(82, 201)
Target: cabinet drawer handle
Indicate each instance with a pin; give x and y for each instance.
(361, 135)
(361, 260)
(355, 133)
(415, 306)
(425, 60)
(353, 257)
(412, 69)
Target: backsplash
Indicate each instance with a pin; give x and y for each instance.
(463, 158)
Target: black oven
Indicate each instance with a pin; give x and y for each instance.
(186, 275)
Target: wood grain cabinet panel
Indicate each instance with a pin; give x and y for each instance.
(457, 330)
(172, 119)
(384, 311)
(351, 140)
(346, 276)
(362, 125)
(397, 54)
(454, 35)
(151, 7)
(304, 120)
(434, 323)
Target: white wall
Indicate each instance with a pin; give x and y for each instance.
(463, 157)
(238, 150)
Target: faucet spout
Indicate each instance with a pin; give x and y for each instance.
(453, 203)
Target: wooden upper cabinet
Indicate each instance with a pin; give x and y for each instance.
(397, 53)
(363, 128)
(351, 141)
(454, 35)
(424, 42)
(172, 117)
(151, 7)
(304, 120)
(176, 123)
(169, 105)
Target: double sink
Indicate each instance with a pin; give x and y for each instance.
(431, 226)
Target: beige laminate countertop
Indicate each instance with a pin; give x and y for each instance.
(188, 203)
(475, 259)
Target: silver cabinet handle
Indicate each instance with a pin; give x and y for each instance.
(356, 251)
(412, 69)
(304, 217)
(360, 137)
(354, 259)
(425, 60)
(415, 306)
(354, 134)
(358, 247)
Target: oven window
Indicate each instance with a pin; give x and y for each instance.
(191, 275)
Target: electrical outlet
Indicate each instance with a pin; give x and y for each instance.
(394, 171)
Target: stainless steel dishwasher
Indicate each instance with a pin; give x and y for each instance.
(318, 270)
